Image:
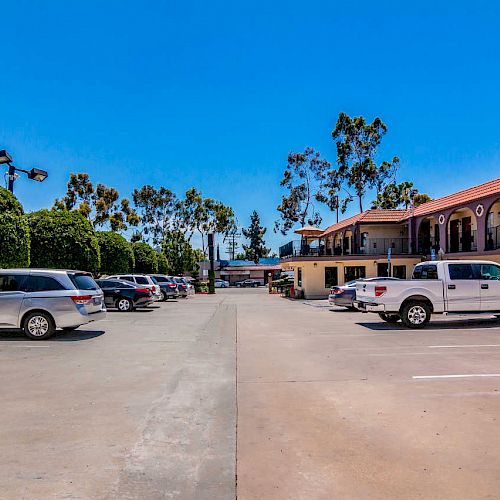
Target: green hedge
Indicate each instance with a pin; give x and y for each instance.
(9, 203)
(63, 240)
(14, 241)
(117, 255)
(146, 260)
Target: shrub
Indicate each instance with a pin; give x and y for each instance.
(162, 263)
(64, 240)
(116, 253)
(14, 240)
(146, 260)
(9, 203)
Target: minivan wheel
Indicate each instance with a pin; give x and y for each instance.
(38, 326)
(164, 296)
(124, 305)
(415, 315)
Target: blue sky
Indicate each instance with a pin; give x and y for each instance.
(215, 94)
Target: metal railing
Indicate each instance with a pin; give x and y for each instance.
(371, 246)
(380, 246)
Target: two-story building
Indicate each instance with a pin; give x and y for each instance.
(463, 225)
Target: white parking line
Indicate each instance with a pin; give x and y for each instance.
(456, 376)
(462, 345)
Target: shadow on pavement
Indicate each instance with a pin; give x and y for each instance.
(436, 325)
(59, 336)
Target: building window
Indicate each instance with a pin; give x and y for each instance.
(331, 277)
(399, 272)
(352, 273)
(299, 276)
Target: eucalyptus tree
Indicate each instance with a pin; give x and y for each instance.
(357, 171)
(304, 180)
(99, 204)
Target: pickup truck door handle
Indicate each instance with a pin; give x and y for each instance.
(452, 287)
(485, 286)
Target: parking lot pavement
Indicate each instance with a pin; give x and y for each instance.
(336, 404)
(141, 405)
(252, 394)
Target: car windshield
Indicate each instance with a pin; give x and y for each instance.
(83, 281)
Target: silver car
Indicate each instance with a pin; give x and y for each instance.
(41, 300)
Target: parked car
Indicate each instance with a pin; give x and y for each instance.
(41, 300)
(185, 288)
(345, 295)
(247, 283)
(168, 287)
(438, 287)
(125, 295)
(221, 283)
(140, 279)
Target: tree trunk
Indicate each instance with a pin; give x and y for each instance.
(360, 204)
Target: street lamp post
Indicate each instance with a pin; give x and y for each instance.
(34, 174)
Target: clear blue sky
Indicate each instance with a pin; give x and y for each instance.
(215, 94)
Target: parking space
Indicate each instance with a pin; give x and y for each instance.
(340, 404)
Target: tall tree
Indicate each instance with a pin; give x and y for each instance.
(399, 195)
(180, 255)
(99, 204)
(303, 178)
(158, 210)
(357, 142)
(255, 234)
(204, 215)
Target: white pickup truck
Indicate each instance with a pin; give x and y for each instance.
(438, 287)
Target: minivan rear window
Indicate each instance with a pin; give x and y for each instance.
(142, 280)
(83, 281)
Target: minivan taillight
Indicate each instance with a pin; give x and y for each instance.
(172, 285)
(143, 290)
(153, 288)
(81, 299)
(380, 290)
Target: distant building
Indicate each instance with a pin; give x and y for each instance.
(463, 225)
(239, 270)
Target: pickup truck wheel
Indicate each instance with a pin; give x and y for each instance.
(415, 315)
(389, 318)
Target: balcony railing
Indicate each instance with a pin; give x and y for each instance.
(371, 246)
(464, 243)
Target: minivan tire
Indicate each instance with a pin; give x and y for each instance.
(415, 314)
(164, 296)
(38, 325)
(124, 305)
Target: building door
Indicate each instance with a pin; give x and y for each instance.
(382, 271)
(454, 236)
(399, 272)
(466, 234)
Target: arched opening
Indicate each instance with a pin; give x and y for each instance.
(493, 227)
(337, 244)
(428, 236)
(462, 231)
(347, 243)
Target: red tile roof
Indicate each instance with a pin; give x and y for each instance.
(456, 199)
(373, 215)
(460, 198)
